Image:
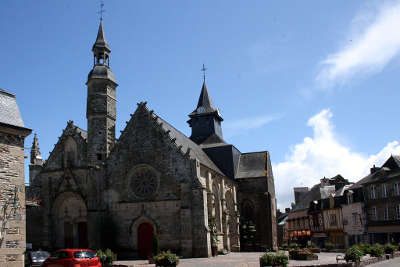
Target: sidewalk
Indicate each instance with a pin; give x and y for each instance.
(234, 259)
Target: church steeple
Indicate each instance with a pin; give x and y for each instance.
(101, 49)
(205, 120)
(36, 157)
(101, 102)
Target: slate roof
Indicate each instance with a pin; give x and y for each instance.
(101, 38)
(390, 168)
(252, 165)
(186, 143)
(9, 111)
(205, 105)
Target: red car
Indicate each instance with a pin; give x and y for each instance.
(72, 258)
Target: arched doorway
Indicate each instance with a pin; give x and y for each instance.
(71, 229)
(145, 240)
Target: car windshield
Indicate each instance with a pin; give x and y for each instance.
(84, 254)
(40, 254)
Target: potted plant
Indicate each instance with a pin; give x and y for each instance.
(106, 258)
(274, 259)
(376, 250)
(390, 249)
(212, 225)
(353, 254)
(166, 259)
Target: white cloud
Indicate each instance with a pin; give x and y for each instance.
(236, 127)
(373, 42)
(323, 155)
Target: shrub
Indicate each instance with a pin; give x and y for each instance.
(110, 257)
(102, 256)
(166, 258)
(353, 254)
(376, 250)
(365, 248)
(390, 249)
(277, 259)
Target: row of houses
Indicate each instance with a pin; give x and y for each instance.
(338, 213)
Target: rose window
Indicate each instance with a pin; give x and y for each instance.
(144, 182)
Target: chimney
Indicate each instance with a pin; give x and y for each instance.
(374, 169)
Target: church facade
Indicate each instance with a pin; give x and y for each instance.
(152, 183)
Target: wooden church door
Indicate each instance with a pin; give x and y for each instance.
(145, 240)
(83, 235)
(68, 235)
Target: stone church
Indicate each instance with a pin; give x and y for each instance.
(151, 183)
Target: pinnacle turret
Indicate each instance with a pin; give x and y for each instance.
(36, 157)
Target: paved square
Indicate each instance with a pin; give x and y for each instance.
(242, 259)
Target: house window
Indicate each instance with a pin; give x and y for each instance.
(333, 221)
(384, 191)
(373, 214)
(373, 191)
(386, 213)
(396, 189)
(398, 211)
(355, 215)
(349, 198)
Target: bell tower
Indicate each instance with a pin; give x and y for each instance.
(205, 120)
(101, 102)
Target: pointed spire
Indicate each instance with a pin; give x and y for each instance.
(205, 103)
(36, 157)
(101, 41)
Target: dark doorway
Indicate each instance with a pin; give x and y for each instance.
(145, 240)
(82, 234)
(68, 235)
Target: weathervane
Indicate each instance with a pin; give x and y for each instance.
(204, 72)
(102, 10)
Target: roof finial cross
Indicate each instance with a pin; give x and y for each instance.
(204, 72)
(102, 10)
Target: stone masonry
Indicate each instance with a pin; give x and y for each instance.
(12, 183)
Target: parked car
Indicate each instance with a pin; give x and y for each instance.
(73, 258)
(35, 258)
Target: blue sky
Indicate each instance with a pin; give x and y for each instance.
(314, 82)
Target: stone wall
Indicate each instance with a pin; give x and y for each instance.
(256, 192)
(12, 190)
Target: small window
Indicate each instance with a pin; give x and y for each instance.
(384, 191)
(373, 214)
(373, 191)
(386, 213)
(355, 217)
(398, 211)
(396, 189)
(333, 221)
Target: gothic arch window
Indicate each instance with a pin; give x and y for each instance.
(144, 181)
(247, 212)
(232, 218)
(217, 206)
